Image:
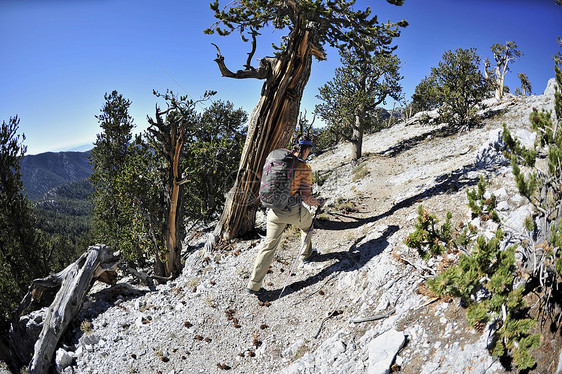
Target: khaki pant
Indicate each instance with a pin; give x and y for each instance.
(277, 220)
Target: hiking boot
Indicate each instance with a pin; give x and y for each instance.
(252, 292)
(310, 258)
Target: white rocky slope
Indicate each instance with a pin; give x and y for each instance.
(203, 322)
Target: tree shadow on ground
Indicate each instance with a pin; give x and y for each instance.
(359, 254)
(450, 182)
(441, 131)
(409, 143)
(106, 298)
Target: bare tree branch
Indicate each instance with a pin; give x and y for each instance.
(263, 71)
(248, 65)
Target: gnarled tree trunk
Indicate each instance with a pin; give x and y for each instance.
(169, 134)
(357, 138)
(500, 79)
(271, 126)
(75, 282)
(173, 221)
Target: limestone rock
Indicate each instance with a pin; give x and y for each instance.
(526, 137)
(383, 350)
(63, 359)
(516, 220)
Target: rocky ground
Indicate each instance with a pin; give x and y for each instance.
(204, 322)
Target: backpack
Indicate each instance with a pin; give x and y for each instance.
(278, 173)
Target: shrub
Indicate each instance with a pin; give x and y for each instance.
(344, 205)
(484, 280)
(320, 179)
(455, 87)
(482, 207)
(543, 188)
(428, 239)
(359, 172)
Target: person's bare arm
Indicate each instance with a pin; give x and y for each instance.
(307, 197)
(305, 188)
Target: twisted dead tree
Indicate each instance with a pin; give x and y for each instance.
(311, 25)
(97, 263)
(168, 132)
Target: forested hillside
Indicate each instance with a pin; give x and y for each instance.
(58, 186)
(66, 210)
(44, 171)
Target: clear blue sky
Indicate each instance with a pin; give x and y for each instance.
(59, 57)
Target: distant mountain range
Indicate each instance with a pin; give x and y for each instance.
(44, 171)
(77, 148)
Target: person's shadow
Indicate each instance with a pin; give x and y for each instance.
(353, 259)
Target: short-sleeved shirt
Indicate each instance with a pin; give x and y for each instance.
(303, 178)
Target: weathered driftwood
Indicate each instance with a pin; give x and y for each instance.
(98, 262)
(374, 318)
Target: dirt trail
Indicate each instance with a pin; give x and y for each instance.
(204, 319)
(379, 200)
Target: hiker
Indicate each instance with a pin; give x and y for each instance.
(285, 208)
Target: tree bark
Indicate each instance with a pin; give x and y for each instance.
(75, 282)
(271, 126)
(173, 224)
(499, 84)
(357, 137)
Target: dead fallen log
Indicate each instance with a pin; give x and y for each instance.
(98, 262)
(374, 318)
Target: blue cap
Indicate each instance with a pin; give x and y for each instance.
(307, 142)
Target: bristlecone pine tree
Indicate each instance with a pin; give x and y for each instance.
(168, 132)
(349, 101)
(458, 86)
(504, 54)
(20, 257)
(311, 25)
(212, 158)
(525, 83)
(425, 95)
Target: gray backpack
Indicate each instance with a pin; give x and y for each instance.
(278, 173)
